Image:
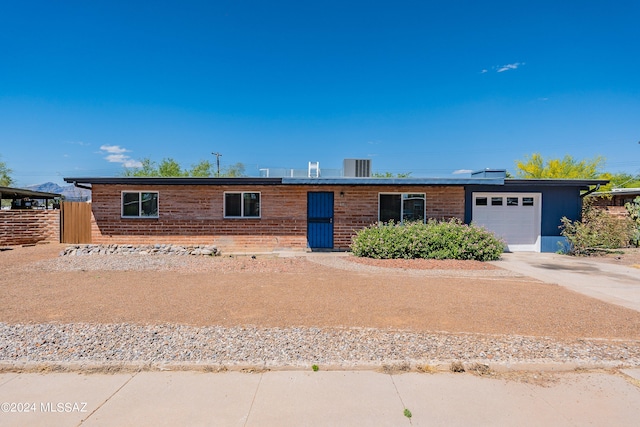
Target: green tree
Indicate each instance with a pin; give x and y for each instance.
(168, 167)
(535, 166)
(148, 168)
(634, 213)
(597, 230)
(171, 168)
(390, 175)
(5, 175)
(620, 180)
(233, 171)
(203, 169)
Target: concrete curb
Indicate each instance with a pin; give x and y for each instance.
(388, 368)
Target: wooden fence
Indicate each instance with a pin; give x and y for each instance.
(75, 221)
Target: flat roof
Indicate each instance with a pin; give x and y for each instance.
(16, 193)
(282, 181)
(393, 181)
(614, 191)
(173, 181)
(557, 181)
(499, 181)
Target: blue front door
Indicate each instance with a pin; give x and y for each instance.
(320, 220)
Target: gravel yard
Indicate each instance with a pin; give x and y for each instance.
(272, 311)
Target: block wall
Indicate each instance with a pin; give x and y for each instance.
(29, 226)
(195, 214)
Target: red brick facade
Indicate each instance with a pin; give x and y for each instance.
(194, 214)
(614, 204)
(22, 227)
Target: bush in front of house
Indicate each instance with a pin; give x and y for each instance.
(634, 212)
(432, 240)
(597, 231)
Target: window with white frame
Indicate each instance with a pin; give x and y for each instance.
(243, 204)
(140, 204)
(400, 207)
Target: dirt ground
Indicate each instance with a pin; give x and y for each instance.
(297, 292)
(627, 256)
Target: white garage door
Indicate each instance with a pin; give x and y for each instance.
(516, 217)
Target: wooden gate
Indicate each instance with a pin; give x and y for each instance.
(75, 222)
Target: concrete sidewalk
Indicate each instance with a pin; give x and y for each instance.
(616, 284)
(334, 398)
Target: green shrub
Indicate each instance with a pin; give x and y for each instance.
(598, 230)
(634, 212)
(433, 240)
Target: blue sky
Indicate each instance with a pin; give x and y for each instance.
(427, 87)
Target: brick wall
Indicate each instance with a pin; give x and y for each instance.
(194, 214)
(356, 207)
(21, 227)
(615, 211)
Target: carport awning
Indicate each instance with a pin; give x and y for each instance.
(19, 193)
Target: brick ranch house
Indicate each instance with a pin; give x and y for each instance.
(269, 214)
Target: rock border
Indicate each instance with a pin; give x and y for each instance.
(155, 249)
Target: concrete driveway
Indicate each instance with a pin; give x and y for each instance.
(611, 283)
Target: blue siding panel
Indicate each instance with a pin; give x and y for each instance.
(557, 202)
(554, 244)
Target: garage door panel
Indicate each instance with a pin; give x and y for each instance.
(517, 223)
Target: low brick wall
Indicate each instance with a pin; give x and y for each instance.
(617, 211)
(22, 227)
(614, 211)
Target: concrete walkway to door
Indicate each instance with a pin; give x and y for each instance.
(611, 283)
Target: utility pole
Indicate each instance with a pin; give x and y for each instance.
(218, 155)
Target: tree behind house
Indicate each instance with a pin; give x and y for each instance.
(536, 167)
(390, 175)
(5, 175)
(170, 168)
(620, 180)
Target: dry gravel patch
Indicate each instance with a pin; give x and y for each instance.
(293, 311)
(627, 256)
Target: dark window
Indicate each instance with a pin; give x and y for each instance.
(140, 204)
(242, 205)
(232, 204)
(496, 201)
(413, 207)
(402, 207)
(390, 207)
(512, 201)
(527, 201)
(481, 201)
(251, 205)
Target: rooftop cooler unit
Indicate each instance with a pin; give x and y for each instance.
(357, 168)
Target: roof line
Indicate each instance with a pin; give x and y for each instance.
(277, 181)
(20, 192)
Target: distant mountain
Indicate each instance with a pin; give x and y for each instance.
(47, 187)
(69, 192)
